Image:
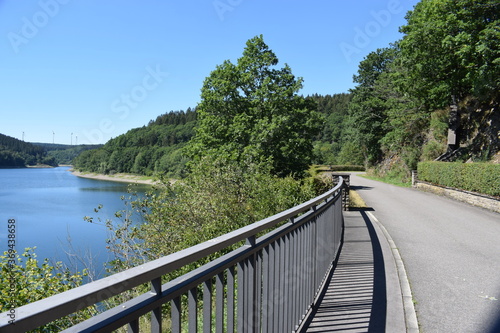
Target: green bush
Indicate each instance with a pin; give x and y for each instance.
(24, 279)
(347, 168)
(476, 177)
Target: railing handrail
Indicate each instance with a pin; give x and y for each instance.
(57, 306)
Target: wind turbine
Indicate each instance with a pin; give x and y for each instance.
(72, 138)
(53, 134)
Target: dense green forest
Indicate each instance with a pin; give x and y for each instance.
(17, 153)
(64, 154)
(151, 149)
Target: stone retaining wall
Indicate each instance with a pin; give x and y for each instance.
(464, 196)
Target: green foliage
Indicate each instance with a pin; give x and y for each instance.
(64, 154)
(432, 150)
(450, 48)
(393, 177)
(347, 168)
(216, 197)
(334, 110)
(399, 107)
(17, 153)
(367, 111)
(439, 124)
(352, 153)
(152, 149)
(476, 177)
(250, 112)
(23, 280)
(329, 142)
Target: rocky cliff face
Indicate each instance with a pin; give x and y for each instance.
(479, 130)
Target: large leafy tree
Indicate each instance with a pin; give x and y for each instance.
(250, 112)
(450, 48)
(383, 120)
(367, 111)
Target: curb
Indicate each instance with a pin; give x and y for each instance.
(409, 308)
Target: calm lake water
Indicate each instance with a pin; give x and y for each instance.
(48, 206)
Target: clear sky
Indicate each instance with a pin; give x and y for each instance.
(85, 71)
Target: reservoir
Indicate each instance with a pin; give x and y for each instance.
(49, 206)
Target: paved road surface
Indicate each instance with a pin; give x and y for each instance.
(451, 252)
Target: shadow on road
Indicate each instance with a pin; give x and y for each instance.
(359, 187)
(355, 297)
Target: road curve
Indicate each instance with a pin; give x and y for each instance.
(451, 252)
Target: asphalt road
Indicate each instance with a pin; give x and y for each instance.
(451, 251)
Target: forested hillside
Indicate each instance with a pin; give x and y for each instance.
(150, 149)
(328, 144)
(64, 154)
(17, 153)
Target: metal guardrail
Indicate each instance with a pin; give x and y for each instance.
(267, 285)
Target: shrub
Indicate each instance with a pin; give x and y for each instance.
(347, 168)
(24, 279)
(476, 177)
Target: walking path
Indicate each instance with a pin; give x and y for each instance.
(364, 293)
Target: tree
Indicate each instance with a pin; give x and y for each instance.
(367, 112)
(450, 48)
(250, 113)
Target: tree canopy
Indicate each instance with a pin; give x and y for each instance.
(450, 47)
(399, 110)
(250, 112)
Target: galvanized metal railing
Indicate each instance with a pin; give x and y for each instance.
(267, 285)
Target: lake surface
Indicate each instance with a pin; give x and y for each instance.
(48, 206)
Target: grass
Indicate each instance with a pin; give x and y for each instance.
(389, 180)
(355, 200)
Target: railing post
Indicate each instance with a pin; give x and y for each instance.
(133, 326)
(345, 190)
(251, 289)
(156, 313)
(414, 177)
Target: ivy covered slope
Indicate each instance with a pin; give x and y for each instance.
(17, 153)
(155, 148)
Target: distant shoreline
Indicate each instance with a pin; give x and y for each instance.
(37, 166)
(119, 177)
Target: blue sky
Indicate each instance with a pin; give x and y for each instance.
(77, 71)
